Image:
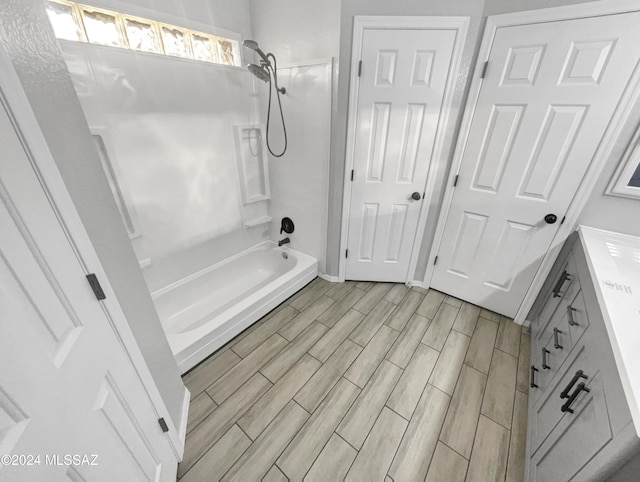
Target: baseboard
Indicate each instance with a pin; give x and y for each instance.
(332, 279)
(416, 283)
(184, 419)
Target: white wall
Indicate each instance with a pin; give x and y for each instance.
(28, 38)
(299, 31)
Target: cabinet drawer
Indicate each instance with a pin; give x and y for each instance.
(576, 439)
(577, 318)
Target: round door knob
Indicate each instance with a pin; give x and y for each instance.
(550, 218)
(416, 196)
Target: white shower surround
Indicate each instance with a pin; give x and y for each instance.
(204, 311)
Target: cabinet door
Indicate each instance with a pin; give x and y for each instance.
(576, 439)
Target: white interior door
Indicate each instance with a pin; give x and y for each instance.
(547, 98)
(401, 88)
(67, 384)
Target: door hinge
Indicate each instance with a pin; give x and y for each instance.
(352, 175)
(346, 253)
(163, 425)
(455, 180)
(435, 260)
(484, 70)
(95, 286)
(359, 68)
(563, 218)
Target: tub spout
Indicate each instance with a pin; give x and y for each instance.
(284, 241)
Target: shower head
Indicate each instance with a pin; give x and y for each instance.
(259, 72)
(253, 45)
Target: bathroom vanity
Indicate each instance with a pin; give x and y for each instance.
(584, 410)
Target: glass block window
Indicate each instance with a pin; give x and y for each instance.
(635, 178)
(63, 21)
(77, 22)
(204, 47)
(142, 35)
(102, 27)
(176, 41)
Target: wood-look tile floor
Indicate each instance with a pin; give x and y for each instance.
(363, 381)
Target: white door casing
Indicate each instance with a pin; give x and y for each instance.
(399, 105)
(71, 382)
(543, 109)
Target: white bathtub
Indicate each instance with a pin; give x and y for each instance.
(207, 309)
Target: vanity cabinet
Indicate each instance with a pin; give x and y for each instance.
(580, 426)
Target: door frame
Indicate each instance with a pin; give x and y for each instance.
(14, 99)
(360, 24)
(620, 116)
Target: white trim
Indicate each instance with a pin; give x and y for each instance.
(55, 189)
(184, 417)
(360, 24)
(619, 184)
(415, 283)
(631, 94)
(328, 277)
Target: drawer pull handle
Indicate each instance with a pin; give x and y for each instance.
(558, 287)
(580, 388)
(544, 359)
(556, 339)
(579, 374)
(572, 320)
(532, 381)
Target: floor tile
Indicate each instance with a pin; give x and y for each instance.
(373, 296)
(333, 462)
(431, 303)
(254, 339)
(406, 395)
(298, 324)
(445, 374)
(365, 285)
(440, 327)
(200, 407)
(220, 457)
(333, 338)
(501, 385)
(337, 310)
(310, 294)
(371, 356)
(467, 319)
(522, 380)
(408, 341)
(490, 451)
(308, 443)
(365, 410)
(404, 311)
(202, 376)
(283, 361)
(256, 461)
(464, 411)
(508, 339)
(453, 301)
(310, 396)
(396, 293)
(420, 440)
(518, 440)
(372, 323)
(419, 289)
(275, 475)
(481, 346)
(255, 420)
(241, 372)
(447, 465)
(338, 290)
(490, 315)
(375, 456)
(209, 431)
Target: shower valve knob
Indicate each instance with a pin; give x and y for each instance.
(416, 196)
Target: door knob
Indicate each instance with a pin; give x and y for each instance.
(550, 218)
(416, 196)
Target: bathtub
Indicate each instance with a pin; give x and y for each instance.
(204, 311)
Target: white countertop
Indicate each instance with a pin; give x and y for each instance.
(614, 264)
